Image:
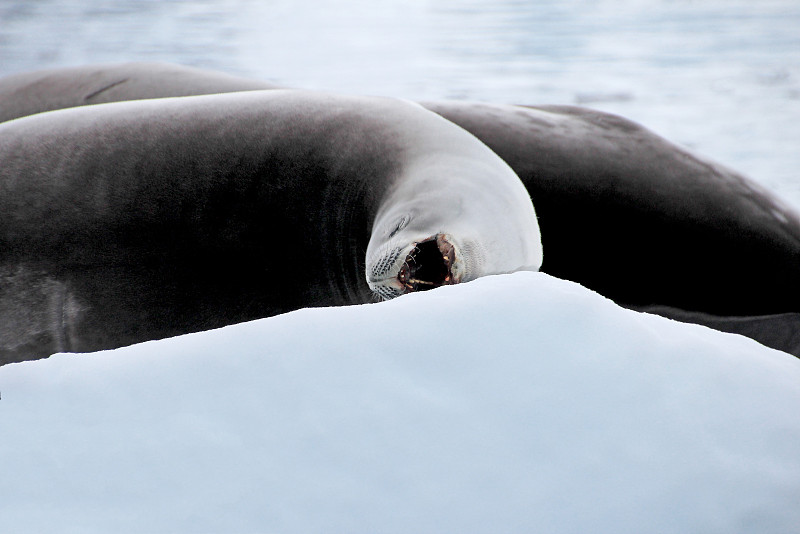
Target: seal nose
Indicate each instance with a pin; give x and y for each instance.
(381, 270)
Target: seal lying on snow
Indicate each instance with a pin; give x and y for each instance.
(134, 221)
(46, 90)
(622, 211)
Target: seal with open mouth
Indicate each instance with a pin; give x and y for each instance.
(622, 211)
(133, 221)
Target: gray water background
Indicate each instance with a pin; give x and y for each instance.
(719, 76)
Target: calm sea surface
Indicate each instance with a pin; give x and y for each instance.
(721, 76)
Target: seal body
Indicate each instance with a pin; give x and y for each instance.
(46, 90)
(640, 219)
(647, 223)
(622, 211)
(126, 222)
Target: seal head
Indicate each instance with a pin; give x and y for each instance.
(443, 228)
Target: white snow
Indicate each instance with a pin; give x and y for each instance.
(518, 403)
(515, 403)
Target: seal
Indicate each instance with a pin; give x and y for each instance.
(640, 219)
(133, 221)
(647, 223)
(622, 211)
(50, 89)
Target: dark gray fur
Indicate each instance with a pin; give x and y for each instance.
(45, 90)
(144, 220)
(621, 210)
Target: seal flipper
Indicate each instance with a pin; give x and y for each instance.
(36, 311)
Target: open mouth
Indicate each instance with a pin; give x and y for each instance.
(428, 265)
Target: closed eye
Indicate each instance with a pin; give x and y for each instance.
(402, 223)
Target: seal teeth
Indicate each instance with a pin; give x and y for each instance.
(428, 265)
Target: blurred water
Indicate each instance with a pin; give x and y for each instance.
(721, 76)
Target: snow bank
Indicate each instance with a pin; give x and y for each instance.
(517, 403)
